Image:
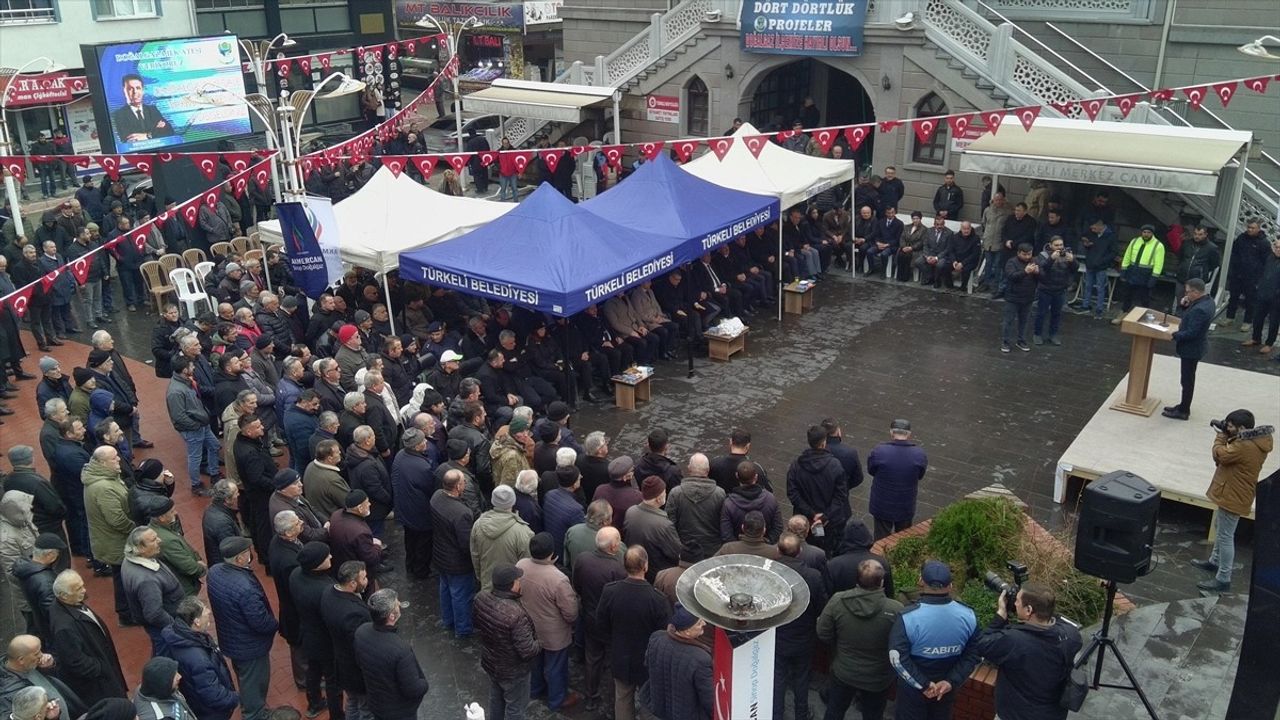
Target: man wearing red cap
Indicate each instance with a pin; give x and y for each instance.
(351, 356)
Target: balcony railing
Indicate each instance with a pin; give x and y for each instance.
(27, 16)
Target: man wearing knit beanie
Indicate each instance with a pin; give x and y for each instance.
(499, 536)
(648, 525)
(158, 695)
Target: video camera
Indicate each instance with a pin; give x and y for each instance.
(996, 584)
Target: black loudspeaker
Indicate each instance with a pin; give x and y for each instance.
(1117, 527)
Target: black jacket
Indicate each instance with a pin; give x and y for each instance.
(724, 470)
(1034, 664)
(652, 463)
(86, 654)
(1022, 285)
(848, 457)
(307, 589)
(36, 581)
(799, 637)
(1055, 273)
(368, 472)
(591, 572)
(451, 522)
(383, 421)
(855, 547)
(950, 199)
(342, 613)
(1191, 339)
(281, 562)
(219, 523)
(816, 484)
(629, 612)
(392, 675)
(508, 643)
(47, 509)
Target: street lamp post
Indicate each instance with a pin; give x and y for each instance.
(259, 53)
(453, 36)
(7, 77)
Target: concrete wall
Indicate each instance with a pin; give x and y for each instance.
(60, 40)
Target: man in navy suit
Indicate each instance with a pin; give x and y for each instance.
(887, 244)
(137, 122)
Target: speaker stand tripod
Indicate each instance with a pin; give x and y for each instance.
(1100, 643)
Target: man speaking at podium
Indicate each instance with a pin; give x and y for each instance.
(1190, 342)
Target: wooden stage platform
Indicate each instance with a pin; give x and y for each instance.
(1173, 455)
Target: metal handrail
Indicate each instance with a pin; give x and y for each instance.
(1221, 123)
(1036, 40)
(1095, 55)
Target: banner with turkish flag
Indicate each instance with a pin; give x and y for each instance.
(650, 150)
(20, 300)
(924, 128)
(81, 266)
(521, 159)
(394, 163)
(755, 143)
(15, 166)
(552, 158)
(458, 161)
(684, 149)
(426, 165)
(206, 163)
(720, 146)
(855, 135)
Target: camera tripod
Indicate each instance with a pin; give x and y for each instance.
(1100, 643)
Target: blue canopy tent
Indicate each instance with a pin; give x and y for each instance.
(662, 197)
(547, 254)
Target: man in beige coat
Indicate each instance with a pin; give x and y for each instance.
(547, 595)
(1239, 450)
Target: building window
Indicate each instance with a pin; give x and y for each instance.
(21, 12)
(114, 9)
(209, 5)
(932, 152)
(698, 102)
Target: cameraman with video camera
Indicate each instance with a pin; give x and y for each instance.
(1034, 655)
(1239, 449)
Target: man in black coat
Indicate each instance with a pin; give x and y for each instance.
(1190, 342)
(35, 578)
(629, 612)
(797, 640)
(257, 471)
(817, 488)
(846, 454)
(307, 584)
(220, 519)
(451, 522)
(87, 659)
(855, 547)
(342, 612)
(655, 461)
(47, 509)
(591, 573)
(380, 417)
(724, 469)
(392, 674)
(368, 472)
(282, 560)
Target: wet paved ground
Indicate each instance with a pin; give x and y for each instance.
(871, 351)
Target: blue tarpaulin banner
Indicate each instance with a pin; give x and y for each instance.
(781, 27)
(310, 244)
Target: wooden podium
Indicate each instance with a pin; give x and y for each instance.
(1144, 336)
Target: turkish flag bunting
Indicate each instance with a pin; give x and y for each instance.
(411, 46)
(282, 67)
(925, 128)
(304, 64)
(165, 157)
(684, 149)
(307, 166)
(162, 217)
(80, 161)
(992, 120)
(1195, 95)
(15, 166)
(785, 135)
(111, 164)
(960, 124)
(332, 154)
(191, 213)
(1027, 116)
(426, 165)
(394, 163)
(889, 125)
(238, 185)
(80, 267)
(110, 244)
(1092, 107)
(393, 51)
(577, 150)
(825, 138)
(262, 176)
(1258, 84)
(552, 158)
(239, 161)
(521, 159)
(211, 198)
(856, 134)
(650, 150)
(431, 94)
(1126, 103)
(755, 143)
(720, 146)
(377, 53)
(139, 237)
(487, 158)
(326, 59)
(613, 154)
(145, 163)
(19, 300)
(1164, 94)
(1064, 108)
(206, 163)
(1226, 91)
(458, 161)
(47, 280)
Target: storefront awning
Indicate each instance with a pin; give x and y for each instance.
(555, 102)
(1148, 157)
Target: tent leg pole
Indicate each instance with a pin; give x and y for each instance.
(781, 281)
(848, 242)
(569, 380)
(391, 316)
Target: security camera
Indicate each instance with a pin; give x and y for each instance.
(906, 22)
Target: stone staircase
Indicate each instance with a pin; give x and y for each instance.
(671, 58)
(981, 82)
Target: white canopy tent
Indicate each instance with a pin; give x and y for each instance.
(789, 176)
(391, 215)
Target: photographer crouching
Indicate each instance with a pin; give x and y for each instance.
(1239, 449)
(1034, 655)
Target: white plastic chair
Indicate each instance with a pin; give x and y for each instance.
(190, 294)
(202, 270)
